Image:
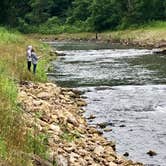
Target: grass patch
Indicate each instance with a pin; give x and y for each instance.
(69, 136)
(14, 139)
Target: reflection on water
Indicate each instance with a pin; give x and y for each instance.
(125, 88)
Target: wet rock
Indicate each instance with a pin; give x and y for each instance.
(81, 103)
(151, 153)
(53, 53)
(159, 51)
(126, 154)
(103, 125)
(60, 53)
(91, 116)
(107, 130)
(77, 92)
(122, 125)
(82, 111)
(94, 130)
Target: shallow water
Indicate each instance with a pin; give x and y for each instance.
(124, 87)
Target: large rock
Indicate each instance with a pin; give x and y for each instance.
(71, 119)
(56, 129)
(43, 95)
(61, 161)
(99, 150)
(159, 51)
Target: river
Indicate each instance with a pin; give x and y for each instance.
(125, 88)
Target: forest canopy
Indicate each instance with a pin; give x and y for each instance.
(56, 16)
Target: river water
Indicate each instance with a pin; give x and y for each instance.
(125, 88)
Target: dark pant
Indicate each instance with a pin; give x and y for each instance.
(34, 68)
(29, 65)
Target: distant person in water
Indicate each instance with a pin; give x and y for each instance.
(29, 58)
(34, 60)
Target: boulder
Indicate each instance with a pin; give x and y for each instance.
(99, 150)
(91, 116)
(151, 153)
(159, 51)
(81, 103)
(71, 119)
(61, 161)
(56, 129)
(43, 95)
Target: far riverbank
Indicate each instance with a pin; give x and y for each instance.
(149, 37)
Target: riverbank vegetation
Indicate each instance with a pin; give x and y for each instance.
(148, 35)
(15, 142)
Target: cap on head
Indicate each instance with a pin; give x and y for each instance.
(30, 47)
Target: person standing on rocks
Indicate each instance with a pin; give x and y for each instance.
(34, 60)
(29, 59)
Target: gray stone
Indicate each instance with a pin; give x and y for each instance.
(61, 161)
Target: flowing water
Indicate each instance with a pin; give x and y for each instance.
(125, 88)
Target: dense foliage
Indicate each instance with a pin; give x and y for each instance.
(55, 16)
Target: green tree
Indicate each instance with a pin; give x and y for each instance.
(60, 7)
(79, 11)
(103, 15)
(40, 11)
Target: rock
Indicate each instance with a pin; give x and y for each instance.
(126, 154)
(112, 164)
(56, 129)
(82, 152)
(22, 95)
(91, 116)
(81, 103)
(43, 95)
(60, 53)
(71, 94)
(73, 157)
(107, 130)
(61, 161)
(37, 102)
(51, 156)
(159, 51)
(151, 153)
(99, 150)
(72, 120)
(77, 92)
(122, 125)
(53, 53)
(103, 125)
(39, 161)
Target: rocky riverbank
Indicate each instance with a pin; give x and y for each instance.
(57, 113)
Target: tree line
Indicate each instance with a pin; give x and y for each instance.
(55, 16)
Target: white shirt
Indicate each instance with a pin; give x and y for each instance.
(29, 58)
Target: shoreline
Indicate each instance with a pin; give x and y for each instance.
(57, 113)
(144, 38)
